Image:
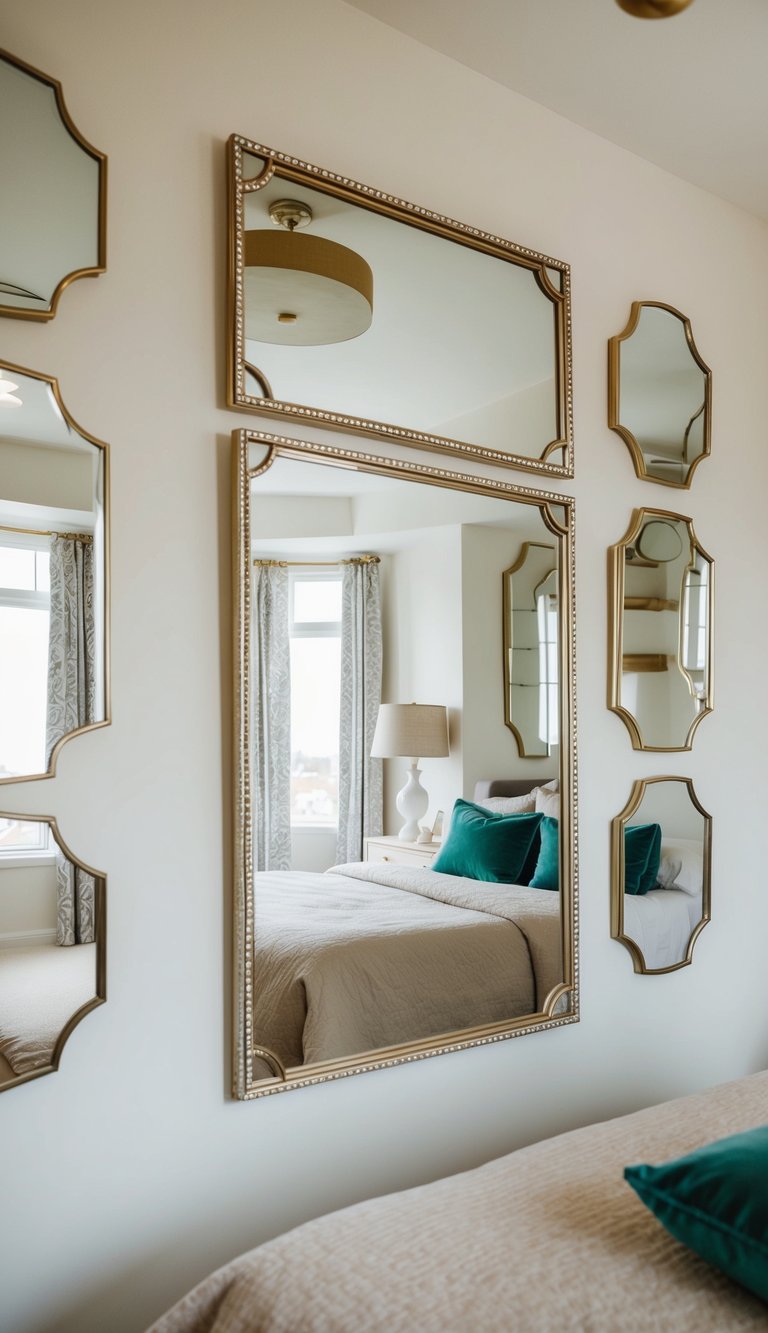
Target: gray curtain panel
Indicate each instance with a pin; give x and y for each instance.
(271, 719)
(72, 641)
(360, 776)
(76, 903)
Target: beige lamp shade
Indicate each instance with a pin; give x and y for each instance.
(417, 730)
(304, 291)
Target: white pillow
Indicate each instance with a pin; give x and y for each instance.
(510, 805)
(547, 802)
(682, 866)
(554, 785)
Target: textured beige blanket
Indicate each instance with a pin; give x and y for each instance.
(370, 956)
(41, 987)
(547, 1240)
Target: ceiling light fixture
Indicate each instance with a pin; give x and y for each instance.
(303, 291)
(6, 394)
(653, 9)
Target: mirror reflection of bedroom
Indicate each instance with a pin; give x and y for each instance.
(405, 843)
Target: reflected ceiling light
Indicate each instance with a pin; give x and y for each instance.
(303, 291)
(653, 9)
(6, 394)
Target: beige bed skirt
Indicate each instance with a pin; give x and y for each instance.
(547, 1239)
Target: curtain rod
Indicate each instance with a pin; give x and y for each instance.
(321, 564)
(49, 532)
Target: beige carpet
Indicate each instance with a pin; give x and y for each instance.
(40, 989)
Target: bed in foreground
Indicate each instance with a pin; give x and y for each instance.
(548, 1238)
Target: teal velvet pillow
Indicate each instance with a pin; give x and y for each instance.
(715, 1201)
(484, 845)
(547, 873)
(642, 857)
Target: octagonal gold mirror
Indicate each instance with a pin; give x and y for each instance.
(660, 673)
(660, 394)
(661, 885)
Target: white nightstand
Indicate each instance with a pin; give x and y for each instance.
(394, 851)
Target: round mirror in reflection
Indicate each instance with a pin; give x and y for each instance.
(660, 394)
(53, 576)
(52, 946)
(661, 883)
(53, 197)
(661, 631)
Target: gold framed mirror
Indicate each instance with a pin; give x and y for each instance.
(366, 611)
(52, 945)
(660, 394)
(661, 679)
(529, 619)
(53, 204)
(661, 887)
(358, 310)
(54, 576)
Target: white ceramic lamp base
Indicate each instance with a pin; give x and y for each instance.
(412, 802)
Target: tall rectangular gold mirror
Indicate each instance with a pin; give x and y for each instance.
(369, 689)
(356, 309)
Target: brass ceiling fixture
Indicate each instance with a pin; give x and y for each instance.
(303, 291)
(653, 9)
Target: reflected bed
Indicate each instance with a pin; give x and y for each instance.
(368, 956)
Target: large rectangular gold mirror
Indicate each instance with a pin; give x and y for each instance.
(369, 683)
(353, 308)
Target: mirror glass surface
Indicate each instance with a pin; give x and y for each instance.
(662, 652)
(662, 873)
(660, 394)
(367, 597)
(53, 618)
(51, 946)
(530, 619)
(52, 204)
(375, 315)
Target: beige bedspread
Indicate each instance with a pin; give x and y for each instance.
(369, 956)
(41, 987)
(547, 1240)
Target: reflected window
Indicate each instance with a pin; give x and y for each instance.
(24, 624)
(315, 631)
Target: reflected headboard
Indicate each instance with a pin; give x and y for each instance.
(506, 786)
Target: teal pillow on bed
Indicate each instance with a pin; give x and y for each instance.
(484, 845)
(642, 857)
(715, 1201)
(547, 873)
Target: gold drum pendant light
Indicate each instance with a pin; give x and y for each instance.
(653, 9)
(303, 291)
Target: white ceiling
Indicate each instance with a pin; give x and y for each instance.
(689, 93)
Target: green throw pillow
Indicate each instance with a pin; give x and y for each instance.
(715, 1201)
(642, 857)
(547, 873)
(484, 845)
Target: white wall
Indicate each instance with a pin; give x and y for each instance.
(27, 900)
(130, 1173)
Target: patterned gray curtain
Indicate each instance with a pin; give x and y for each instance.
(71, 642)
(360, 776)
(76, 903)
(271, 718)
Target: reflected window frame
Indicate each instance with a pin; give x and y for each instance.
(8, 368)
(240, 372)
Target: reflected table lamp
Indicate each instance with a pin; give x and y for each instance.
(418, 731)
